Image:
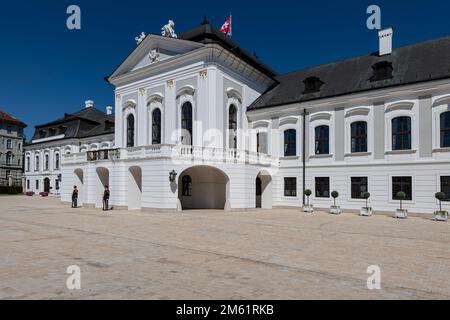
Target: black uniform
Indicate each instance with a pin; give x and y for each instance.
(105, 199)
(74, 198)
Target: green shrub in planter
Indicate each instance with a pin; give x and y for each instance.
(308, 194)
(366, 196)
(401, 213)
(308, 208)
(402, 197)
(441, 215)
(335, 195)
(334, 208)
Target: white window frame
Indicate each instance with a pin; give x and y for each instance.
(396, 110)
(317, 120)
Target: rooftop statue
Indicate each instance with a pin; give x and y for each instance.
(168, 30)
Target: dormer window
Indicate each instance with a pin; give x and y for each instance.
(382, 71)
(62, 130)
(312, 84)
(42, 134)
(52, 132)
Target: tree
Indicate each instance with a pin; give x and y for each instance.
(402, 197)
(308, 193)
(441, 197)
(366, 196)
(335, 195)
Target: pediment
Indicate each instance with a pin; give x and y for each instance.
(153, 50)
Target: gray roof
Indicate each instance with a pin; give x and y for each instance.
(87, 122)
(411, 64)
(206, 33)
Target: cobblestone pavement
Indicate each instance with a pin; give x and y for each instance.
(276, 254)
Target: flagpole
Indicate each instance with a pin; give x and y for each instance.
(231, 25)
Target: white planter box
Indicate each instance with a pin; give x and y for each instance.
(308, 208)
(438, 216)
(335, 210)
(401, 214)
(366, 212)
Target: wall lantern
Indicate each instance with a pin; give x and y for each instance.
(172, 176)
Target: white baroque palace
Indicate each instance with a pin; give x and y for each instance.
(207, 125)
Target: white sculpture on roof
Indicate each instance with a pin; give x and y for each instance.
(140, 38)
(154, 56)
(168, 30)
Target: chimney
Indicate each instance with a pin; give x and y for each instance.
(109, 110)
(385, 36)
(89, 104)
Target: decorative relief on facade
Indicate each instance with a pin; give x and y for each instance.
(170, 83)
(204, 74)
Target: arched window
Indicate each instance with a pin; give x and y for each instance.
(46, 162)
(8, 158)
(290, 143)
(401, 133)
(322, 140)
(261, 142)
(359, 136)
(186, 186)
(130, 131)
(445, 130)
(57, 161)
(36, 167)
(156, 126)
(232, 127)
(186, 123)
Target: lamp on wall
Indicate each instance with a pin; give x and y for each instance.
(172, 176)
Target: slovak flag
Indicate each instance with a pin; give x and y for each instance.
(226, 28)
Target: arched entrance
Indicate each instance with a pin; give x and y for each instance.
(263, 192)
(134, 188)
(204, 187)
(47, 185)
(78, 181)
(102, 180)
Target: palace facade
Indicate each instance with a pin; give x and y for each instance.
(201, 123)
(12, 140)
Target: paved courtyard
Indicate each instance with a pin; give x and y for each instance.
(278, 254)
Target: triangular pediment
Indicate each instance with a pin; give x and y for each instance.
(153, 50)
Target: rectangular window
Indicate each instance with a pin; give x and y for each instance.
(403, 184)
(8, 173)
(359, 187)
(323, 187)
(445, 187)
(28, 184)
(290, 187)
(37, 185)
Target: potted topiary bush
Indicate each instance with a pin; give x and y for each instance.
(440, 215)
(366, 211)
(334, 208)
(308, 207)
(401, 213)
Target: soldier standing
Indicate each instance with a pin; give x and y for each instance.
(75, 197)
(106, 199)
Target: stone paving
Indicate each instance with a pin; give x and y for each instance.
(276, 254)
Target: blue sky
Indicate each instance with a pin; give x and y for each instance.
(46, 70)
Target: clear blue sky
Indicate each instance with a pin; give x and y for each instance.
(46, 70)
